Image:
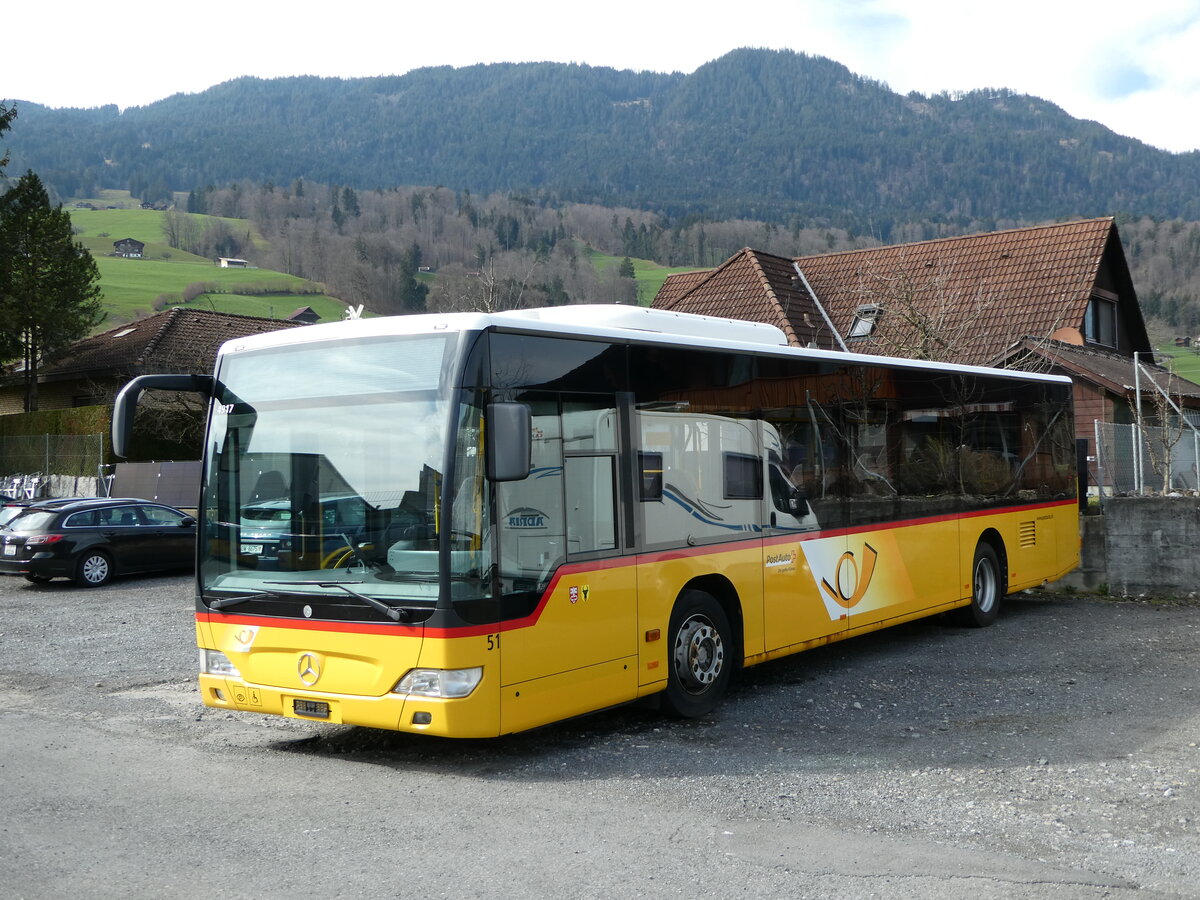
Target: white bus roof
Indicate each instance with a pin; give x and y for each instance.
(612, 321)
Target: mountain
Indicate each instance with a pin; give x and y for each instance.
(758, 134)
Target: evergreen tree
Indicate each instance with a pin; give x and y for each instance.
(350, 202)
(6, 117)
(49, 291)
(413, 292)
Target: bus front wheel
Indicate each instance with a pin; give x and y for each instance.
(987, 588)
(700, 663)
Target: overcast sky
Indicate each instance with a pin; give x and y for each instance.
(1134, 68)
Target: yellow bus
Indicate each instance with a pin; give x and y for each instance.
(469, 525)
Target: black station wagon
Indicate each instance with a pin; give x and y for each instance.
(91, 540)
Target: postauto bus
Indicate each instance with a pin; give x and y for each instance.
(469, 525)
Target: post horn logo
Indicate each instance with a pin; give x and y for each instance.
(856, 581)
(309, 668)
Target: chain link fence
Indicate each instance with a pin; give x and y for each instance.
(1149, 461)
(32, 465)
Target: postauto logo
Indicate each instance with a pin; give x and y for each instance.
(850, 578)
(855, 577)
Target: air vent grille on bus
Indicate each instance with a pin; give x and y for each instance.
(1028, 534)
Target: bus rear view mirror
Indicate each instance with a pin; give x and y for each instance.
(125, 406)
(509, 442)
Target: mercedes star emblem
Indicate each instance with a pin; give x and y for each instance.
(309, 668)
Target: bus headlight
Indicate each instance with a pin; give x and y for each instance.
(214, 662)
(448, 683)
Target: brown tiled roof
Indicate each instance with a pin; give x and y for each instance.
(1001, 286)
(676, 286)
(176, 341)
(751, 285)
(1110, 371)
(982, 292)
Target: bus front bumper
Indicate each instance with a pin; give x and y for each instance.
(467, 717)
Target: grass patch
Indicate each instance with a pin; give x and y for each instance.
(107, 197)
(1183, 361)
(649, 276)
(104, 226)
(271, 306)
(102, 247)
(131, 285)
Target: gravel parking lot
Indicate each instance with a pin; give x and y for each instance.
(1056, 754)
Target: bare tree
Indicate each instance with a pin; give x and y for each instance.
(500, 284)
(921, 317)
(1165, 427)
(929, 315)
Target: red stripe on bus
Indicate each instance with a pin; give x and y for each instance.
(617, 562)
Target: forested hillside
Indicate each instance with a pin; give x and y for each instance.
(770, 135)
(504, 251)
(408, 249)
(772, 149)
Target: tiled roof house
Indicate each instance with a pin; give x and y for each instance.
(172, 342)
(1062, 292)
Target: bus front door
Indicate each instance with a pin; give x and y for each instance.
(575, 651)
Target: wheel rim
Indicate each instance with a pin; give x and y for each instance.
(985, 585)
(699, 654)
(95, 569)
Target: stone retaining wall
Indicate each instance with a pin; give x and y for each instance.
(1141, 546)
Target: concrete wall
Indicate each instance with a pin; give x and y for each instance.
(1141, 545)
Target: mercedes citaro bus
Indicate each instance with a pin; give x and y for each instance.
(473, 524)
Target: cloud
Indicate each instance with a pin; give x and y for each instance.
(1122, 80)
(1113, 69)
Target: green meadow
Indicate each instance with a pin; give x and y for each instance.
(145, 225)
(131, 286)
(1183, 361)
(269, 306)
(649, 276)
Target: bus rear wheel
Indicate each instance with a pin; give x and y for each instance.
(700, 663)
(987, 588)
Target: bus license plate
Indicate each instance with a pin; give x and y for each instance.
(313, 709)
(252, 549)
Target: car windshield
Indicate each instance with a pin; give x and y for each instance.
(325, 464)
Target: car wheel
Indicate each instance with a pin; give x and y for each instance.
(988, 587)
(700, 660)
(94, 569)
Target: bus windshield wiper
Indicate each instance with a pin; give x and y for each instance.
(395, 613)
(223, 602)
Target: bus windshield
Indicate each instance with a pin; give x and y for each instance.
(323, 476)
